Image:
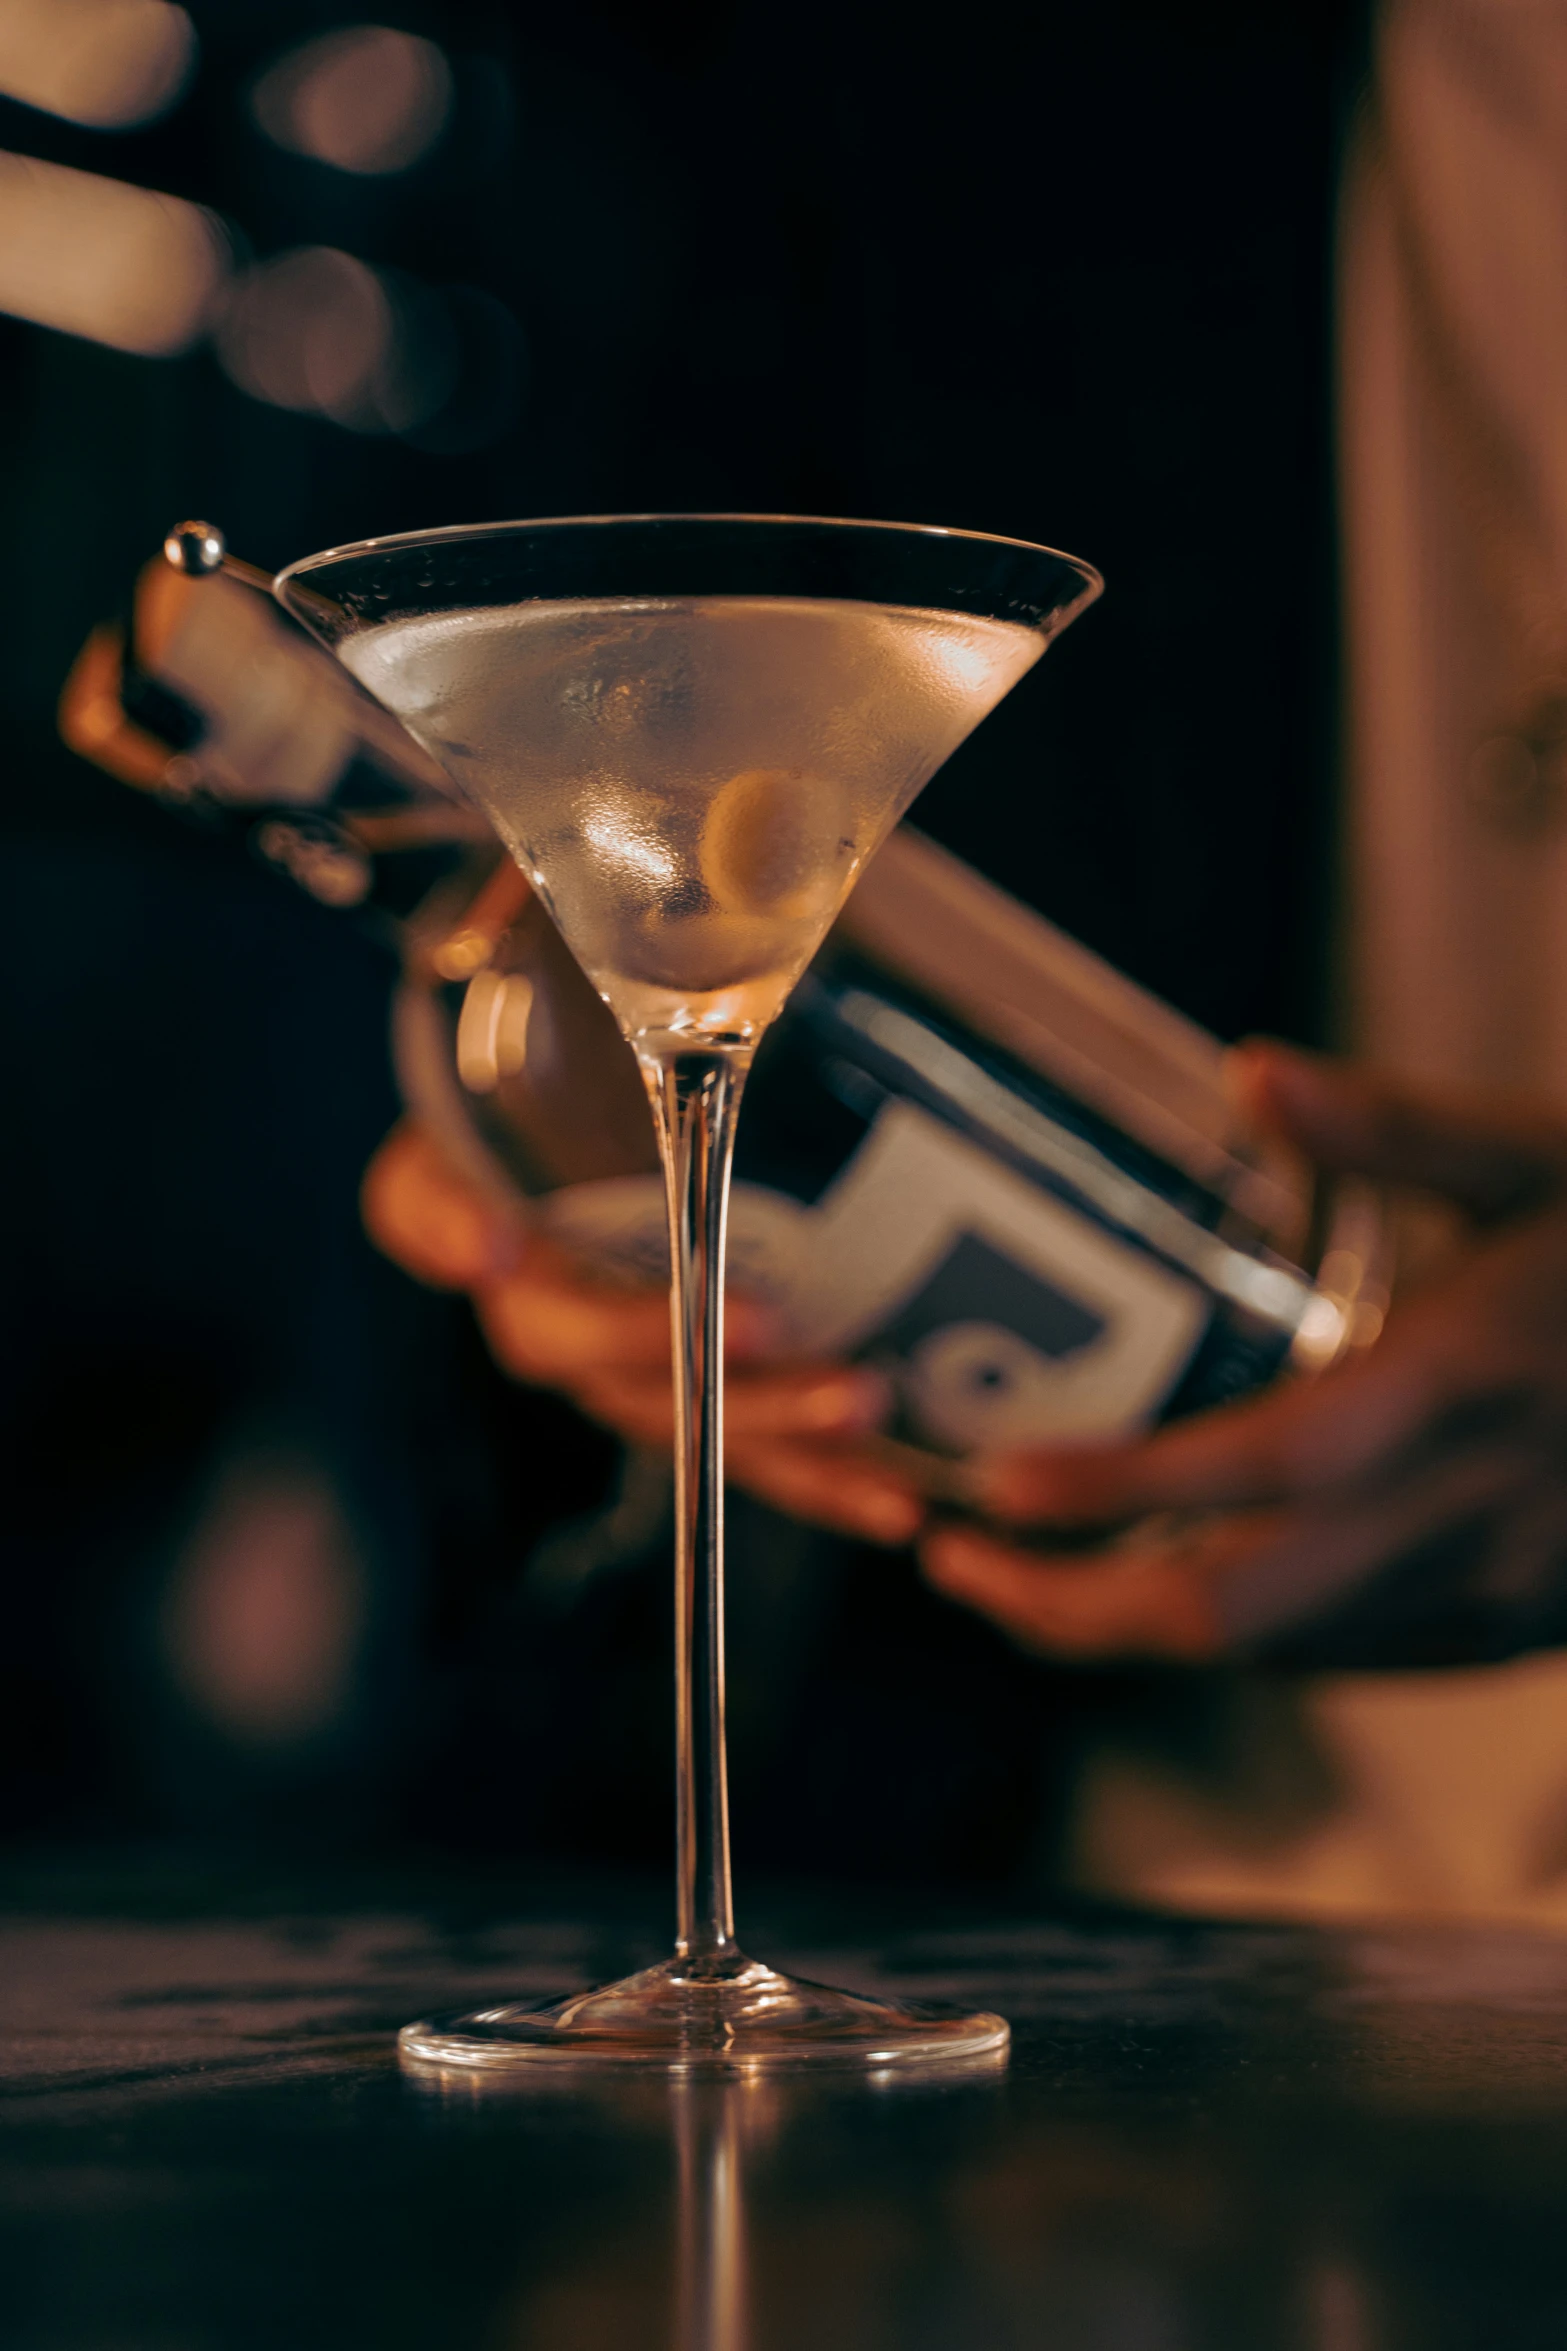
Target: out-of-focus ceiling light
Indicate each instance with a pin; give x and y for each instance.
(366, 99)
(108, 63)
(94, 257)
(319, 331)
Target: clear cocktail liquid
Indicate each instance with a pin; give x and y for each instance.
(693, 786)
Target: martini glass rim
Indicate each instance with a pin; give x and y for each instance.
(446, 534)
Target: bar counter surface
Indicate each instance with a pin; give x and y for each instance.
(1209, 2138)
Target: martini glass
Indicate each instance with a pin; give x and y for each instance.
(692, 731)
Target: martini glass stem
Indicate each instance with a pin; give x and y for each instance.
(696, 1101)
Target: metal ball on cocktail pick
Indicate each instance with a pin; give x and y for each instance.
(195, 547)
(199, 549)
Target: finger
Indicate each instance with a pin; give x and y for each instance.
(1154, 1597)
(829, 1485)
(1494, 1157)
(550, 1323)
(1392, 1554)
(436, 1225)
(1260, 1576)
(545, 1315)
(555, 1322)
(804, 1401)
(1293, 1440)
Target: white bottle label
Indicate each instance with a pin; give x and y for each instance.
(1006, 1316)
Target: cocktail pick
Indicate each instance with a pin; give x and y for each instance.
(199, 548)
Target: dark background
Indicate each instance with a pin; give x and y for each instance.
(1063, 273)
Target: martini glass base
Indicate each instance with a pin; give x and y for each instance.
(727, 2017)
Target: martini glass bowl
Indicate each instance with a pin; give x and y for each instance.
(692, 731)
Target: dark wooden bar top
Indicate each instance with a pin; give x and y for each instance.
(1210, 2138)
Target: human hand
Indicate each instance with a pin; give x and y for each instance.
(1418, 1494)
(798, 1435)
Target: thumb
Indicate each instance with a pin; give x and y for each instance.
(1494, 1157)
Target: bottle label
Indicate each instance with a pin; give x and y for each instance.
(1004, 1315)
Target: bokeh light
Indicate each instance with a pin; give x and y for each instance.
(95, 257)
(366, 99)
(111, 64)
(319, 331)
